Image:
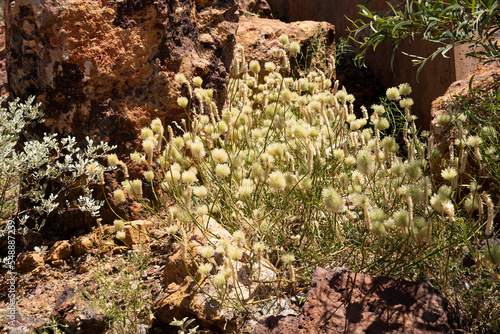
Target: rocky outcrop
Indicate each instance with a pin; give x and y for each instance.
(485, 77)
(105, 69)
(27, 262)
(259, 35)
(484, 81)
(259, 8)
(341, 301)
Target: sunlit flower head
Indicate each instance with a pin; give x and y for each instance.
(182, 101)
(393, 94)
(366, 162)
(474, 141)
(189, 177)
(198, 150)
(449, 173)
(219, 155)
(406, 102)
(205, 268)
(332, 200)
(294, 49)
(200, 191)
(284, 39)
(119, 195)
(222, 170)
(254, 66)
(197, 81)
(404, 89)
(287, 258)
(277, 181)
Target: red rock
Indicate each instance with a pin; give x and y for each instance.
(105, 69)
(258, 36)
(259, 8)
(81, 246)
(137, 232)
(341, 301)
(60, 251)
(57, 263)
(485, 77)
(27, 262)
(76, 314)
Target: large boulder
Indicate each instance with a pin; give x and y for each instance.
(259, 36)
(105, 69)
(259, 8)
(485, 77)
(341, 301)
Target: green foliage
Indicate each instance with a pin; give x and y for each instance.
(16, 118)
(341, 49)
(120, 292)
(445, 23)
(53, 327)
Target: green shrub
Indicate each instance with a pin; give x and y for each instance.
(445, 23)
(120, 292)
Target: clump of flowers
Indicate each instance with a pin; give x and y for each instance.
(292, 172)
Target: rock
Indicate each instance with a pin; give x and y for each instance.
(182, 297)
(81, 246)
(23, 323)
(57, 263)
(259, 8)
(108, 68)
(485, 77)
(83, 269)
(106, 246)
(60, 251)
(120, 249)
(105, 69)
(27, 262)
(136, 232)
(77, 315)
(3, 72)
(341, 301)
(258, 36)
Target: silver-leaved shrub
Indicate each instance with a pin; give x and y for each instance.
(28, 165)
